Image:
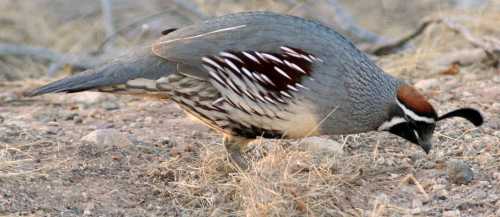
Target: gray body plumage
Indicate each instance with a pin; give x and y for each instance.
(345, 92)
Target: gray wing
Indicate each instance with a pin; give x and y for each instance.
(260, 61)
(252, 31)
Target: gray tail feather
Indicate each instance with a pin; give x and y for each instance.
(138, 64)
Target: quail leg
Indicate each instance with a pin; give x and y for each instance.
(235, 146)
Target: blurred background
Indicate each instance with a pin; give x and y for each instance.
(91, 27)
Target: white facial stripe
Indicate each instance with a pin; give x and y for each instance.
(416, 134)
(413, 115)
(388, 124)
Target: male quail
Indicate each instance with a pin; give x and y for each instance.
(263, 74)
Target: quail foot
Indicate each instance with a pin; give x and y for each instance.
(261, 74)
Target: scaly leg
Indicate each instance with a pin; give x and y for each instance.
(234, 146)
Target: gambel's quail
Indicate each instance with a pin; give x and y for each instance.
(260, 74)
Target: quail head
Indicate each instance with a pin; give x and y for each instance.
(260, 74)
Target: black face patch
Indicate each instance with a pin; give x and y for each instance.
(419, 133)
(406, 131)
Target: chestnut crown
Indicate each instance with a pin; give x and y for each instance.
(414, 119)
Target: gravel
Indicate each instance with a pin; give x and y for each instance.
(459, 172)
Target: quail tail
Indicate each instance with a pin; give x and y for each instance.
(138, 70)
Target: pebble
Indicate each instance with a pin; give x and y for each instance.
(321, 145)
(459, 172)
(88, 98)
(438, 187)
(107, 137)
(441, 194)
(70, 116)
(426, 84)
(52, 123)
(110, 105)
(88, 209)
(182, 149)
(451, 213)
(168, 142)
(148, 120)
(496, 105)
(496, 175)
(484, 183)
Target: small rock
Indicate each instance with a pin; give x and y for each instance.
(88, 98)
(496, 105)
(441, 195)
(426, 84)
(51, 130)
(104, 126)
(168, 142)
(438, 187)
(52, 123)
(196, 134)
(78, 120)
(70, 116)
(459, 172)
(88, 209)
(148, 120)
(484, 183)
(451, 213)
(496, 175)
(110, 105)
(321, 145)
(107, 137)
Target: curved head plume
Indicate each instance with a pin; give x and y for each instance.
(413, 117)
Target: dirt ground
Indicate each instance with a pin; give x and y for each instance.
(161, 163)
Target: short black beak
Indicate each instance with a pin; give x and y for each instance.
(425, 141)
(426, 145)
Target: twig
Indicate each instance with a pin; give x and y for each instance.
(410, 179)
(54, 67)
(107, 16)
(393, 46)
(490, 45)
(345, 21)
(80, 61)
(130, 26)
(462, 57)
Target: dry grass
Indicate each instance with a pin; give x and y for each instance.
(439, 40)
(375, 175)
